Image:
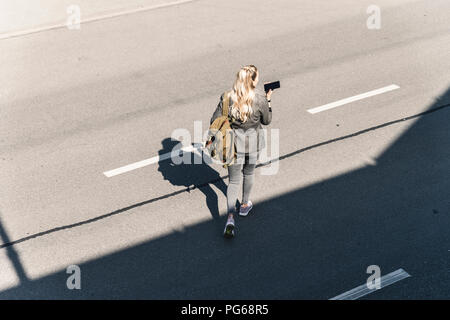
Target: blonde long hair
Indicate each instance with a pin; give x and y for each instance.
(244, 92)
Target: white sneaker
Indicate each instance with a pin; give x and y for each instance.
(229, 228)
(243, 211)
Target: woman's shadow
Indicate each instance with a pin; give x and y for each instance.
(195, 173)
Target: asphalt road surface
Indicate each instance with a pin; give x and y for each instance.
(364, 183)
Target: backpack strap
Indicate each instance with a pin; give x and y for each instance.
(226, 106)
(225, 103)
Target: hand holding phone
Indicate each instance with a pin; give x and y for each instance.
(271, 86)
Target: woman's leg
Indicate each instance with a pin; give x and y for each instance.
(249, 177)
(234, 173)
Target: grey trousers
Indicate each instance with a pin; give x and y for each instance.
(244, 168)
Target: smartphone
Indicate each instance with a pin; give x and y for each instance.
(271, 86)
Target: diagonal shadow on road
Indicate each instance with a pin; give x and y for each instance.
(310, 243)
(12, 255)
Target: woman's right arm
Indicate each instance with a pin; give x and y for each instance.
(218, 111)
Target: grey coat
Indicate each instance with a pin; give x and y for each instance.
(261, 115)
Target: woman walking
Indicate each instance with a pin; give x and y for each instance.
(249, 109)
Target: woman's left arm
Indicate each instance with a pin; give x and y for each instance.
(266, 110)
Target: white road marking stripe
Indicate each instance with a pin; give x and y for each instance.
(354, 98)
(96, 18)
(146, 162)
(166, 156)
(363, 290)
(195, 149)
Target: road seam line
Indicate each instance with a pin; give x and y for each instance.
(14, 34)
(386, 124)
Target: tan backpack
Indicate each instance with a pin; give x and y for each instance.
(221, 140)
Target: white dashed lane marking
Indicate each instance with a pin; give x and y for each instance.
(363, 290)
(361, 96)
(147, 162)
